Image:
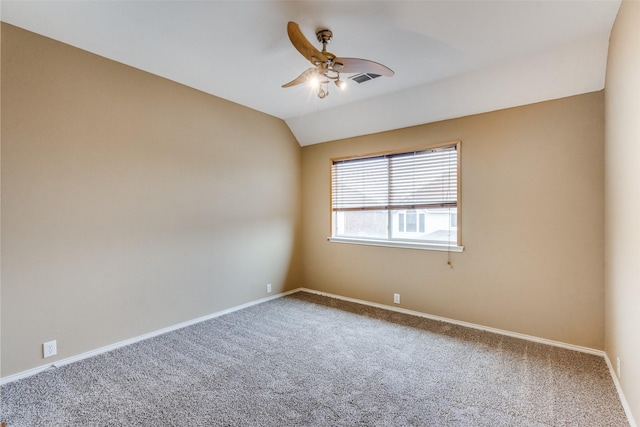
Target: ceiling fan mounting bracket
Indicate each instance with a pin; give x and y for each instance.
(324, 36)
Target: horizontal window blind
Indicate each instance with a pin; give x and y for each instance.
(418, 179)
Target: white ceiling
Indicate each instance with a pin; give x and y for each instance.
(451, 58)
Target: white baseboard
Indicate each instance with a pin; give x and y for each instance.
(465, 324)
(623, 400)
(97, 351)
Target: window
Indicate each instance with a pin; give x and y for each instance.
(407, 199)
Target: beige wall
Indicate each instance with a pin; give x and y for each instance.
(622, 189)
(131, 203)
(0, 204)
(532, 224)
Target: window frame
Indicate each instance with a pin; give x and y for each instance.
(397, 242)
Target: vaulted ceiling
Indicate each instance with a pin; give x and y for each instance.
(451, 58)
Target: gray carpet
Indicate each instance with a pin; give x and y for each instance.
(307, 360)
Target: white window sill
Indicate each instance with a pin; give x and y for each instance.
(397, 244)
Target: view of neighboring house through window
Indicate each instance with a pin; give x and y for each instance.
(407, 196)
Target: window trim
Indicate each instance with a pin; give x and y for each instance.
(404, 243)
(407, 244)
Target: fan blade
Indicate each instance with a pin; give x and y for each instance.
(356, 65)
(303, 45)
(302, 78)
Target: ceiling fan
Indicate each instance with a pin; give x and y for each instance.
(326, 66)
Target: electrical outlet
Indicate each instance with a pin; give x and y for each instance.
(396, 298)
(49, 349)
(268, 288)
(618, 367)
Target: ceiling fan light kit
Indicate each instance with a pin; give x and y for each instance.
(326, 66)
